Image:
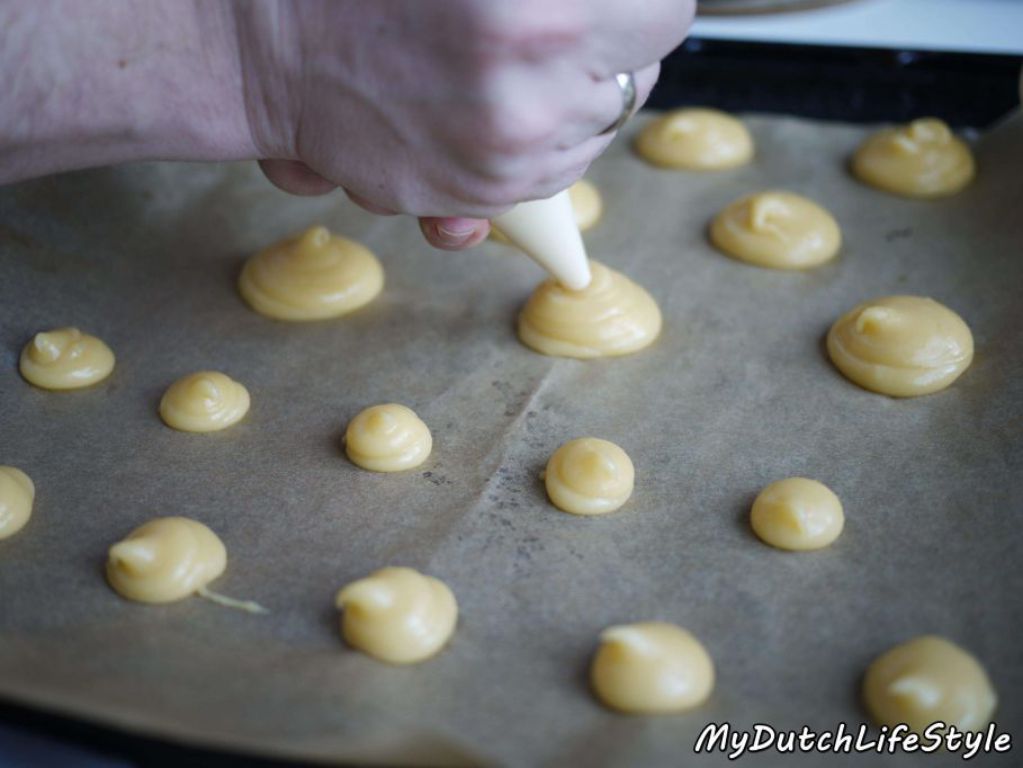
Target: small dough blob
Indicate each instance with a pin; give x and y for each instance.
(797, 514)
(17, 492)
(922, 159)
(609, 317)
(777, 229)
(205, 401)
(586, 202)
(589, 476)
(167, 559)
(388, 438)
(313, 276)
(397, 615)
(901, 346)
(927, 680)
(65, 358)
(695, 139)
(651, 668)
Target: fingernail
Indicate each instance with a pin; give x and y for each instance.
(456, 231)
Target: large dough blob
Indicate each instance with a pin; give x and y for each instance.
(651, 668)
(397, 615)
(589, 476)
(695, 139)
(927, 680)
(901, 345)
(17, 492)
(65, 358)
(921, 159)
(313, 276)
(388, 438)
(797, 514)
(167, 559)
(777, 229)
(611, 316)
(206, 401)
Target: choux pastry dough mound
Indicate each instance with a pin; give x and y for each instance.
(205, 401)
(167, 559)
(776, 229)
(17, 492)
(589, 476)
(797, 514)
(313, 276)
(397, 615)
(901, 346)
(388, 438)
(611, 316)
(651, 668)
(65, 358)
(922, 159)
(926, 680)
(695, 139)
(586, 202)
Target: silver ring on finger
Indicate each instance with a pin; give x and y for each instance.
(627, 83)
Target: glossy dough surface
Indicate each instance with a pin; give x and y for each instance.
(388, 438)
(205, 401)
(797, 514)
(776, 229)
(164, 560)
(695, 139)
(651, 668)
(17, 492)
(927, 680)
(397, 615)
(901, 345)
(922, 159)
(65, 358)
(313, 276)
(611, 316)
(589, 476)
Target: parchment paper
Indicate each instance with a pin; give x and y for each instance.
(738, 392)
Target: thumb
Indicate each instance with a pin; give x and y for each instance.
(454, 234)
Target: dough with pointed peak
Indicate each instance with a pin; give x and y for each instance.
(797, 514)
(17, 492)
(927, 680)
(65, 358)
(695, 139)
(651, 668)
(589, 476)
(776, 229)
(901, 346)
(388, 438)
(205, 401)
(397, 615)
(922, 159)
(313, 276)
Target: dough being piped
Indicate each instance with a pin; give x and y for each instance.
(589, 476)
(776, 229)
(926, 680)
(586, 203)
(17, 492)
(388, 438)
(922, 159)
(797, 514)
(313, 276)
(397, 615)
(205, 401)
(65, 358)
(611, 316)
(651, 668)
(695, 139)
(902, 346)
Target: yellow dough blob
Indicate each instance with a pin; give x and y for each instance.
(313, 276)
(589, 476)
(651, 668)
(397, 615)
(586, 202)
(388, 438)
(777, 229)
(797, 514)
(901, 345)
(926, 680)
(204, 402)
(695, 139)
(17, 492)
(921, 159)
(166, 559)
(611, 316)
(65, 358)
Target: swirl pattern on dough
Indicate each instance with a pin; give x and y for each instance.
(65, 358)
(589, 476)
(17, 492)
(205, 401)
(695, 139)
(388, 438)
